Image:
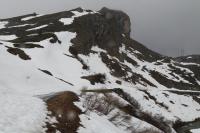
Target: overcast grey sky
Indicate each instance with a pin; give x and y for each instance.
(166, 26)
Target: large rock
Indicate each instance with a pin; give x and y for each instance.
(120, 17)
(64, 115)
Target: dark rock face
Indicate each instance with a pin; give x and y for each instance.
(97, 78)
(104, 29)
(122, 19)
(172, 84)
(19, 52)
(107, 33)
(121, 70)
(94, 29)
(189, 59)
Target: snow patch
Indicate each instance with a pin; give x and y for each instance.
(7, 37)
(20, 113)
(97, 124)
(31, 17)
(2, 24)
(195, 131)
(40, 27)
(68, 21)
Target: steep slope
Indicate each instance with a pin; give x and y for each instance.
(83, 73)
(189, 59)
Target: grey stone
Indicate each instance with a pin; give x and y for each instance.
(122, 19)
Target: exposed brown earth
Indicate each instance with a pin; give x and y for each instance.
(62, 107)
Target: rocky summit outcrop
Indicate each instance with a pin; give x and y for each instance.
(92, 76)
(105, 30)
(121, 18)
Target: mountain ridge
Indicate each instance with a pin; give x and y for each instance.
(79, 57)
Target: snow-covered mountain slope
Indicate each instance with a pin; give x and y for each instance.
(79, 71)
(189, 59)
